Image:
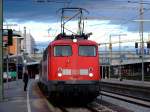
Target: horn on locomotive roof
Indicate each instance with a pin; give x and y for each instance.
(77, 14)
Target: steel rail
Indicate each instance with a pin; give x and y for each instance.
(129, 99)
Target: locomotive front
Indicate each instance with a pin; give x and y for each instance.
(74, 67)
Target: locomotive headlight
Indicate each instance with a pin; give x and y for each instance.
(74, 40)
(90, 70)
(59, 74)
(91, 74)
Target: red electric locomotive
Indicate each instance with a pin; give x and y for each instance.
(70, 66)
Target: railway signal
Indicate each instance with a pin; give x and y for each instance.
(136, 45)
(148, 44)
(8, 34)
(10, 37)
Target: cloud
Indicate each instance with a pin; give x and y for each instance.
(30, 10)
(119, 13)
(27, 10)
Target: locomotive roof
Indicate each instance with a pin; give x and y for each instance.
(69, 41)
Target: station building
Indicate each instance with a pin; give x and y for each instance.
(125, 64)
(18, 55)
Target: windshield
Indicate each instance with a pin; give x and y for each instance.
(87, 50)
(62, 50)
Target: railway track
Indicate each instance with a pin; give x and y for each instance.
(130, 99)
(71, 106)
(92, 107)
(96, 106)
(141, 92)
(133, 97)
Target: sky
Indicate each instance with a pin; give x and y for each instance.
(106, 18)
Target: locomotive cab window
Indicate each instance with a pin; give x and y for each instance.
(87, 50)
(62, 50)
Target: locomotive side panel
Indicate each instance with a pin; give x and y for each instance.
(45, 65)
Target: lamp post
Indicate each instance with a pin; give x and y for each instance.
(24, 61)
(17, 59)
(25, 39)
(141, 34)
(1, 53)
(110, 55)
(141, 29)
(105, 62)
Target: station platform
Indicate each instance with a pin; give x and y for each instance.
(127, 82)
(18, 100)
